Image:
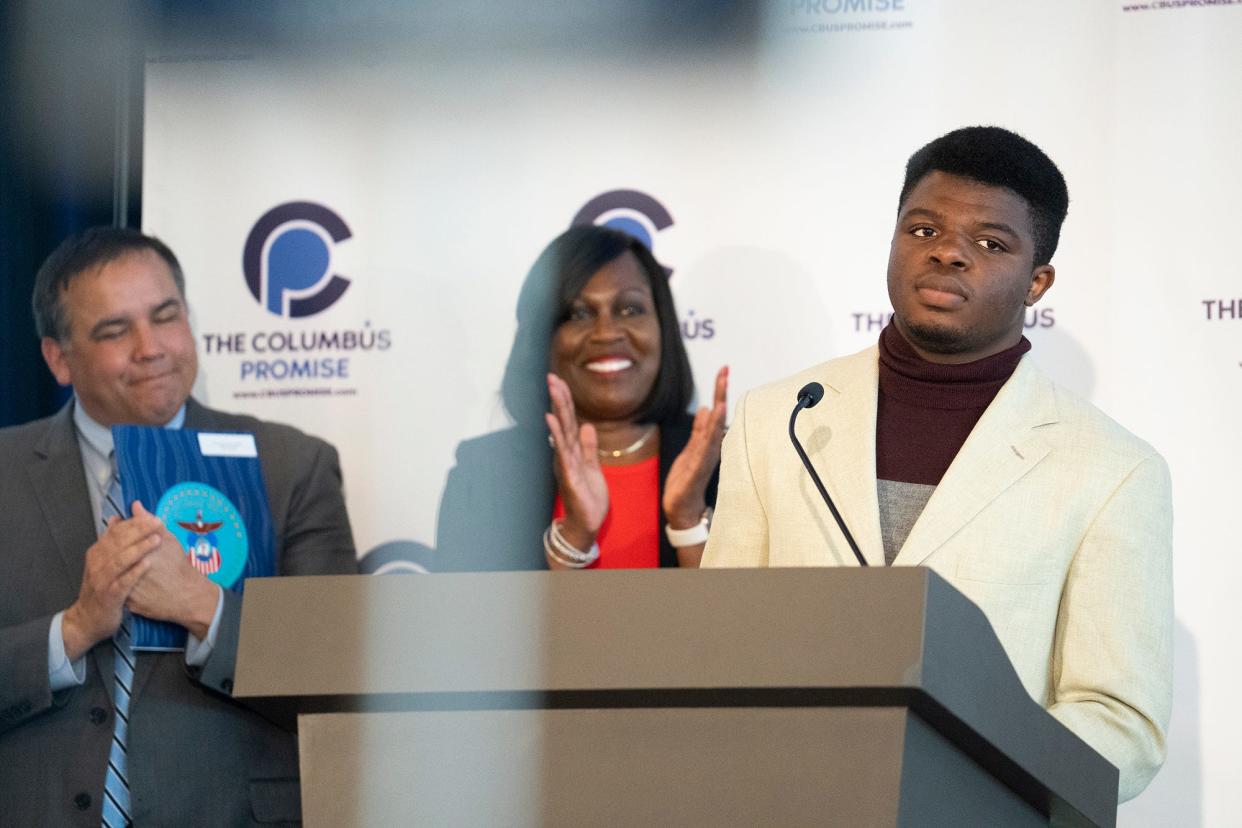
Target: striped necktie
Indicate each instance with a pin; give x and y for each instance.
(116, 804)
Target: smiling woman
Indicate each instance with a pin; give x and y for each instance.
(627, 457)
(619, 387)
(605, 463)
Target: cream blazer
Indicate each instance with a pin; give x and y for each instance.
(1052, 518)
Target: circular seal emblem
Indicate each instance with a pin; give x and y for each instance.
(210, 530)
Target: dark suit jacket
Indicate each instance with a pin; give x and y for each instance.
(196, 757)
(498, 499)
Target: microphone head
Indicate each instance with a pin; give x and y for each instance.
(811, 393)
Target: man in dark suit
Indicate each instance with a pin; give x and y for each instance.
(110, 306)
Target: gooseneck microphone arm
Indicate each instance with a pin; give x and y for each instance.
(811, 394)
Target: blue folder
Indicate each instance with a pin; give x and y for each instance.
(208, 489)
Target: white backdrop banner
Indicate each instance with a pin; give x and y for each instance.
(355, 233)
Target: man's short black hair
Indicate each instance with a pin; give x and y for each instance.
(92, 248)
(1000, 158)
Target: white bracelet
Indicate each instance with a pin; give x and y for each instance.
(695, 535)
(564, 553)
(559, 557)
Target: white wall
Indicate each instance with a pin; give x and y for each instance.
(779, 156)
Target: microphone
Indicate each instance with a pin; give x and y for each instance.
(809, 397)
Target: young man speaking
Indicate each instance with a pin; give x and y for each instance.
(943, 446)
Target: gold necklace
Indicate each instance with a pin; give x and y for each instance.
(631, 448)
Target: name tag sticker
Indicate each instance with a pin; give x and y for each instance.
(227, 445)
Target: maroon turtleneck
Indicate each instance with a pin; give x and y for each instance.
(927, 410)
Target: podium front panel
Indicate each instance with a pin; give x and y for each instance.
(556, 647)
(737, 766)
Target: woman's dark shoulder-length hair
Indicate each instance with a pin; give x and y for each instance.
(547, 296)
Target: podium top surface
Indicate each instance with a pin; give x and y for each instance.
(702, 638)
(777, 628)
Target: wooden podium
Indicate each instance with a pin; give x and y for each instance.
(715, 697)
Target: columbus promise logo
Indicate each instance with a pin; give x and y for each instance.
(629, 211)
(287, 259)
(209, 528)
